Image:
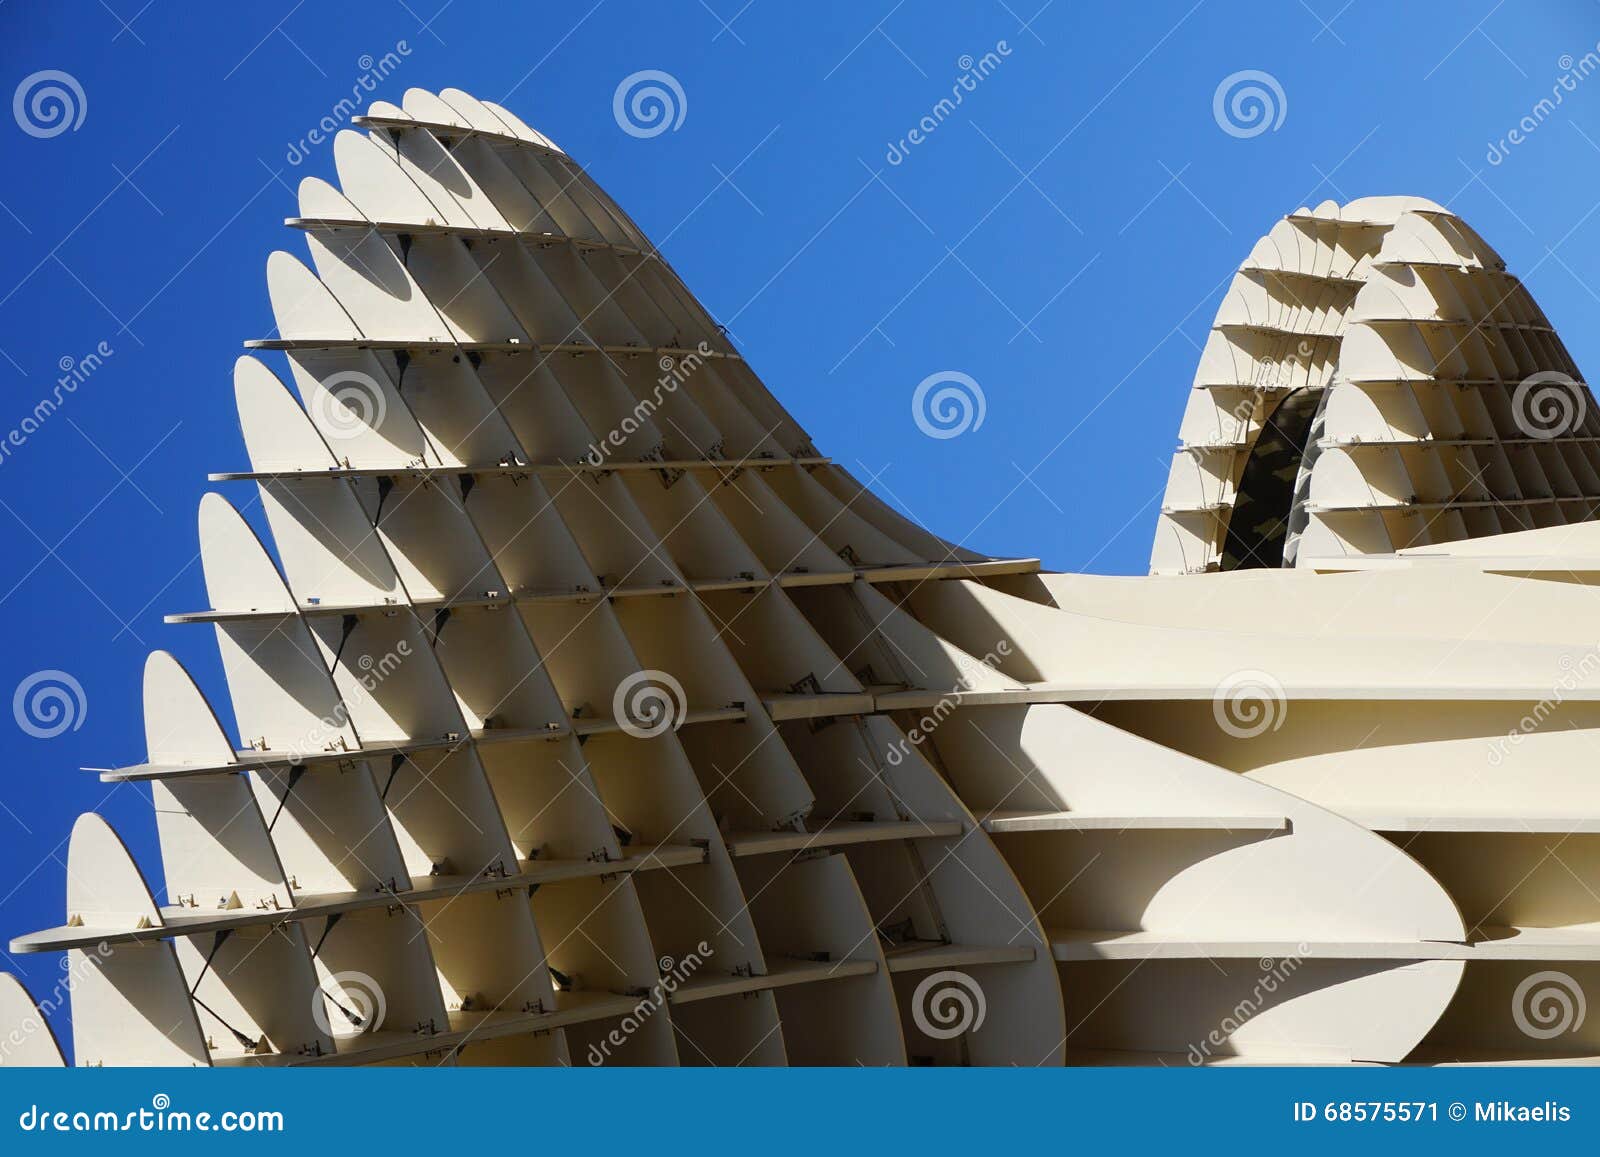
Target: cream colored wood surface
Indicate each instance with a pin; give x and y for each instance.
(30, 1042)
(892, 801)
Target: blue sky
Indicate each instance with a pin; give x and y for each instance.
(1063, 237)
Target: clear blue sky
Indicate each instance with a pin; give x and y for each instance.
(1063, 237)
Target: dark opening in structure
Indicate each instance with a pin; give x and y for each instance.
(1260, 521)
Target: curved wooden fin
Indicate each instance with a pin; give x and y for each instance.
(320, 201)
(470, 110)
(302, 306)
(423, 105)
(29, 1041)
(179, 725)
(239, 574)
(130, 1005)
(105, 888)
(518, 128)
(372, 286)
(277, 433)
(375, 185)
(131, 1008)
